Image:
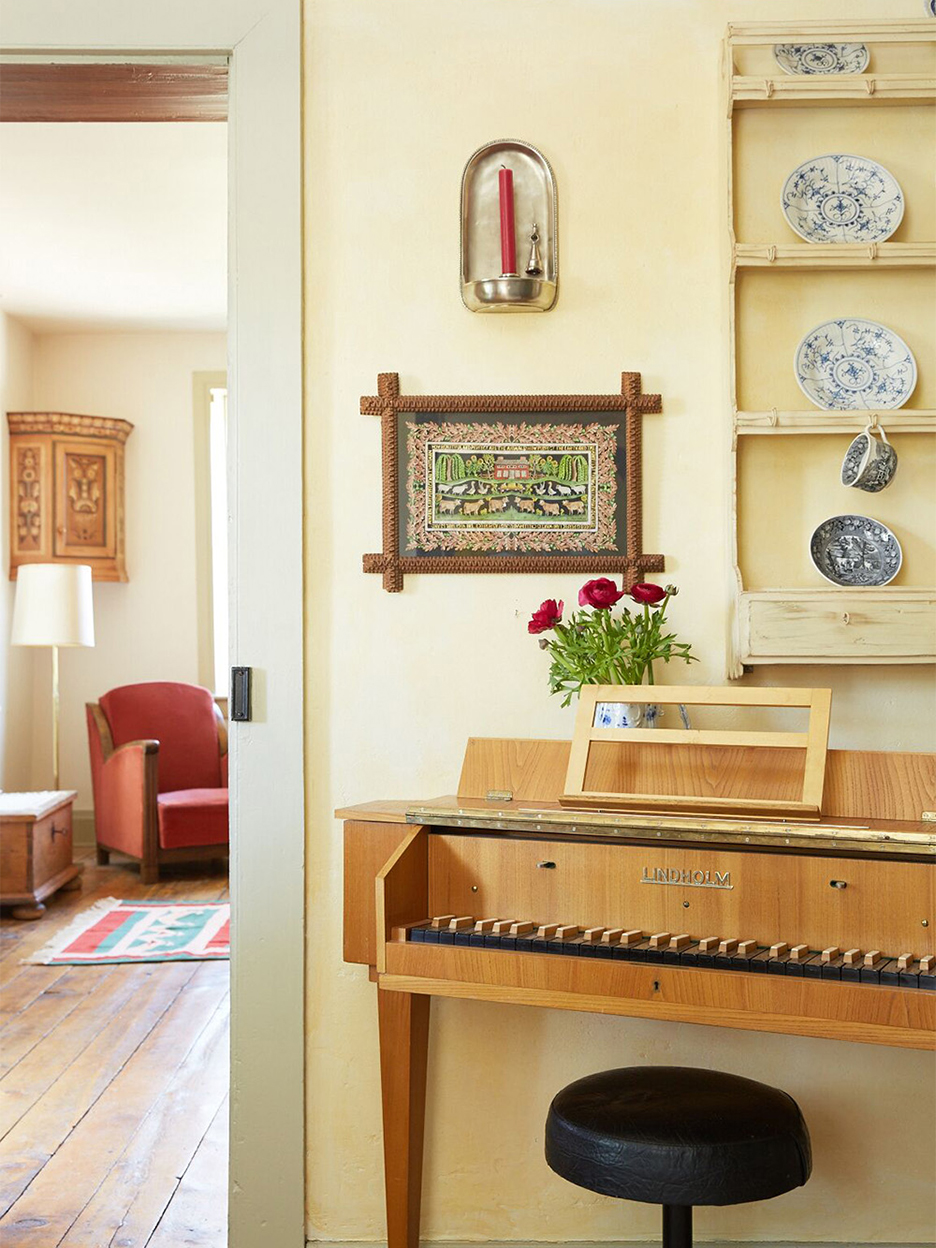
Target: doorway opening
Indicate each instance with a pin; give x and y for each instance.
(112, 303)
(262, 40)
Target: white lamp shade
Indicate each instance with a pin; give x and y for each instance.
(53, 605)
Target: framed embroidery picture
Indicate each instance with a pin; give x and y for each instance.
(510, 483)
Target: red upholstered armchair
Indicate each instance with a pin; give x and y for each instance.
(159, 772)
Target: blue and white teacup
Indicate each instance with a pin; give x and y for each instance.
(870, 462)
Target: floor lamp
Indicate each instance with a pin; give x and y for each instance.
(53, 608)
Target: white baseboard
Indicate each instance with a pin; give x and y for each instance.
(617, 1243)
(83, 827)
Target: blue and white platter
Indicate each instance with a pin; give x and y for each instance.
(821, 58)
(855, 365)
(842, 199)
(930, 6)
(855, 551)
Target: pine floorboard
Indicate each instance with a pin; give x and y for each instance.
(113, 1084)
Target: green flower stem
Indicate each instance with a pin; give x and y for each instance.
(594, 647)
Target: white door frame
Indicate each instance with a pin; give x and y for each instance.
(263, 40)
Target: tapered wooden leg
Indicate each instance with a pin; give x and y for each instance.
(103, 856)
(404, 1043)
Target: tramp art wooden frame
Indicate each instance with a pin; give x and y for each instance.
(630, 563)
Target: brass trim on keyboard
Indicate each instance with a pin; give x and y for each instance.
(841, 838)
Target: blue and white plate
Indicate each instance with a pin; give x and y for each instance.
(821, 58)
(930, 6)
(842, 199)
(855, 550)
(853, 365)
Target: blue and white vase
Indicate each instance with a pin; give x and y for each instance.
(626, 715)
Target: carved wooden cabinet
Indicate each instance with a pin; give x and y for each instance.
(67, 491)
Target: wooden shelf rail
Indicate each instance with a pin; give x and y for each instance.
(899, 420)
(753, 90)
(817, 256)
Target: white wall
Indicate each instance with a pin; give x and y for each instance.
(624, 99)
(16, 389)
(145, 629)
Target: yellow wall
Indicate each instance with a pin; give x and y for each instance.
(623, 97)
(17, 346)
(144, 629)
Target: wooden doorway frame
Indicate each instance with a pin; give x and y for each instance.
(261, 41)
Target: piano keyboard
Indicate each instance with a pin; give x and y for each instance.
(858, 966)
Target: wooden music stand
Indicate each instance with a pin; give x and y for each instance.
(814, 742)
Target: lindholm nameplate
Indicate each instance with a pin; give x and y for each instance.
(687, 878)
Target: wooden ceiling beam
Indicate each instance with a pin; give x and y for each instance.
(111, 92)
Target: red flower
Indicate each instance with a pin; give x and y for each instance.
(548, 616)
(601, 594)
(652, 595)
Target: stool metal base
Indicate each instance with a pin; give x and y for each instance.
(677, 1226)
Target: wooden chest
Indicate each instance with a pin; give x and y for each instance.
(35, 849)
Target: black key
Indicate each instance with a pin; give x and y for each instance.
(604, 951)
(464, 937)
(492, 940)
(431, 935)
(833, 968)
(778, 965)
(509, 942)
(808, 967)
(706, 957)
(477, 939)
(723, 960)
(632, 953)
(927, 981)
(417, 935)
(446, 937)
(525, 943)
(870, 974)
(890, 974)
(741, 959)
(852, 974)
(587, 948)
(759, 961)
(909, 978)
(689, 956)
(682, 957)
(655, 951)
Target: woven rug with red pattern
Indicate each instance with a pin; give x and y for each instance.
(142, 931)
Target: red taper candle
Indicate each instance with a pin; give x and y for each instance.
(508, 240)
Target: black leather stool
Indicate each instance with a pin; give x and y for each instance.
(677, 1137)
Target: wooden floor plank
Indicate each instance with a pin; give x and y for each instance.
(91, 1101)
(19, 939)
(133, 1197)
(55, 1052)
(24, 988)
(59, 1193)
(44, 1127)
(29, 1027)
(196, 1216)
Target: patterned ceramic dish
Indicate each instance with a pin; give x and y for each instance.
(821, 58)
(854, 365)
(842, 199)
(855, 550)
(930, 6)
